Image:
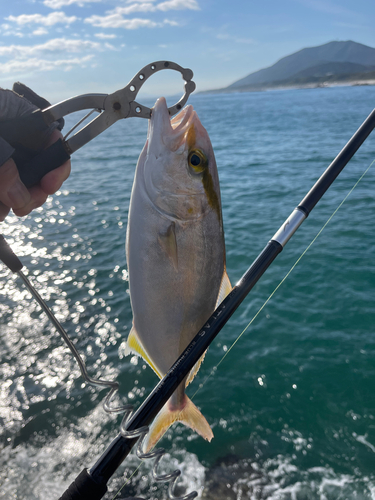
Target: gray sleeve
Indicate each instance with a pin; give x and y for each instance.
(6, 151)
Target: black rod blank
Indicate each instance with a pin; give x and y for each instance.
(120, 447)
(325, 181)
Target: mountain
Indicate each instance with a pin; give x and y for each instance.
(333, 68)
(340, 61)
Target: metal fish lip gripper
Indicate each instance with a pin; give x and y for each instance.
(111, 107)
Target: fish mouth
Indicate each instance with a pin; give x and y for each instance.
(169, 132)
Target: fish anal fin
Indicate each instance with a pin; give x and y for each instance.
(135, 346)
(225, 288)
(189, 416)
(168, 242)
(195, 369)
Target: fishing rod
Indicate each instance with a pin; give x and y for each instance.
(92, 484)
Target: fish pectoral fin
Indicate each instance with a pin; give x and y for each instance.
(168, 243)
(225, 289)
(195, 369)
(189, 415)
(135, 346)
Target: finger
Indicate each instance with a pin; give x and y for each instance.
(13, 192)
(53, 181)
(38, 197)
(4, 211)
(55, 136)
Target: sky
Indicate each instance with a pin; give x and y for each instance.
(62, 48)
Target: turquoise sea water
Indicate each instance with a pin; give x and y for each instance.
(292, 405)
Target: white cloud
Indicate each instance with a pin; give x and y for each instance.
(35, 64)
(117, 21)
(40, 31)
(147, 6)
(60, 53)
(49, 20)
(109, 46)
(54, 46)
(178, 5)
(114, 18)
(57, 4)
(8, 30)
(104, 36)
(135, 7)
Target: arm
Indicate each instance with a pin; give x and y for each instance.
(13, 194)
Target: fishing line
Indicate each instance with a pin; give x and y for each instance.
(128, 480)
(214, 369)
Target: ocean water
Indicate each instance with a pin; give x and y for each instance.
(292, 405)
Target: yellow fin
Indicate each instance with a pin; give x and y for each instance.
(225, 289)
(189, 415)
(195, 369)
(168, 242)
(135, 346)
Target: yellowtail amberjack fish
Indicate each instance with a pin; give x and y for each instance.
(175, 253)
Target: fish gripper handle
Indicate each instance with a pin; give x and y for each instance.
(8, 257)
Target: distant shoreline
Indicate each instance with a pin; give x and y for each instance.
(310, 85)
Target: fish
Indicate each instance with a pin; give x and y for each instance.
(175, 253)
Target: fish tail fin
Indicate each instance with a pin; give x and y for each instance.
(189, 416)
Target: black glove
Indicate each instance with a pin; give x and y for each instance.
(25, 92)
(22, 136)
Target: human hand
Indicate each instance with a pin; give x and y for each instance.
(13, 193)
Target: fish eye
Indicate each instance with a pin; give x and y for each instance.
(197, 161)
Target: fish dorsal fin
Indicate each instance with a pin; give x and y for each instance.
(135, 346)
(195, 369)
(168, 242)
(225, 289)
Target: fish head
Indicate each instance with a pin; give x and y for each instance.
(180, 173)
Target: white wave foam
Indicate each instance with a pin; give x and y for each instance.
(279, 479)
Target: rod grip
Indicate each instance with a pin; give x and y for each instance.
(32, 171)
(9, 258)
(84, 488)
